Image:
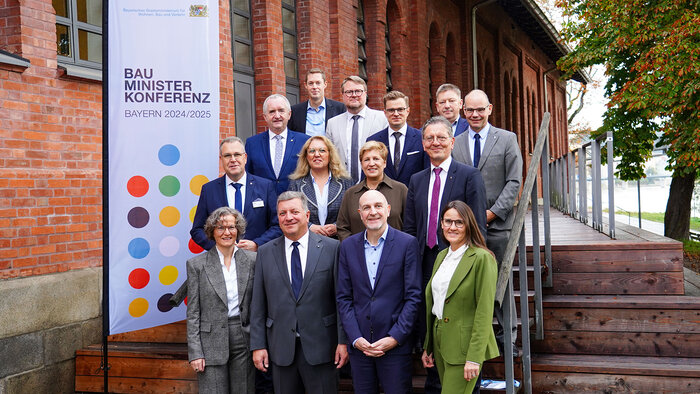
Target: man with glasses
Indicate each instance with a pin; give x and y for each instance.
(448, 102)
(311, 116)
(406, 155)
(350, 130)
(429, 191)
(496, 154)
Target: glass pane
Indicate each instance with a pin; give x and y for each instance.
(288, 20)
(242, 54)
(386, 42)
(361, 53)
(61, 7)
(243, 5)
(289, 3)
(90, 11)
(388, 62)
(363, 71)
(90, 46)
(290, 67)
(360, 11)
(388, 80)
(63, 41)
(290, 44)
(241, 27)
(361, 31)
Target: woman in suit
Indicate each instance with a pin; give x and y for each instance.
(322, 177)
(459, 304)
(220, 287)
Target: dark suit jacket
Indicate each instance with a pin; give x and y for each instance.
(275, 315)
(391, 307)
(462, 126)
(413, 157)
(259, 162)
(463, 183)
(501, 166)
(262, 221)
(336, 190)
(298, 119)
(207, 308)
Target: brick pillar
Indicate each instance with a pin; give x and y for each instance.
(314, 41)
(268, 52)
(343, 48)
(10, 39)
(375, 22)
(227, 111)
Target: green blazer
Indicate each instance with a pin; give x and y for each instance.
(467, 330)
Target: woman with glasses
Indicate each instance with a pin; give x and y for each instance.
(219, 288)
(322, 177)
(459, 304)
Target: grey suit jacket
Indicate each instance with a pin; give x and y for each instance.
(501, 166)
(207, 306)
(276, 315)
(336, 131)
(336, 190)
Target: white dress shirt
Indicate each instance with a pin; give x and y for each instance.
(348, 136)
(231, 191)
(392, 140)
(442, 278)
(483, 133)
(303, 252)
(273, 144)
(231, 279)
(445, 165)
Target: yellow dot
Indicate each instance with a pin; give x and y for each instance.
(169, 216)
(138, 307)
(192, 212)
(196, 184)
(168, 275)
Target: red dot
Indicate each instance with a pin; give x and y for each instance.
(139, 278)
(185, 301)
(137, 186)
(194, 248)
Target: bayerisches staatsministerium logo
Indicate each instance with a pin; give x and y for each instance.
(199, 10)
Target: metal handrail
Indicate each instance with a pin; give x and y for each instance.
(504, 286)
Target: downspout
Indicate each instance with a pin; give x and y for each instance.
(474, 48)
(546, 96)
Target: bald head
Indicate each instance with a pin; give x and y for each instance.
(374, 211)
(477, 109)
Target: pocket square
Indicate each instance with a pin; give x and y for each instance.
(412, 153)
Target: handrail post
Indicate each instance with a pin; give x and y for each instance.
(582, 185)
(595, 184)
(508, 337)
(537, 268)
(564, 184)
(524, 312)
(572, 183)
(611, 184)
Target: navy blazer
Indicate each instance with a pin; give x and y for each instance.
(262, 221)
(298, 119)
(391, 307)
(463, 183)
(462, 126)
(260, 164)
(413, 157)
(336, 190)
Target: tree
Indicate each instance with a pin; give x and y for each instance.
(651, 52)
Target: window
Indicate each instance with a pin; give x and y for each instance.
(79, 32)
(289, 40)
(389, 86)
(361, 41)
(242, 35)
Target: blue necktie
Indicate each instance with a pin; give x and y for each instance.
(297, 277)
(239, 198)
(477, 149)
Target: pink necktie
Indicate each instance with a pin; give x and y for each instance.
(434, 209)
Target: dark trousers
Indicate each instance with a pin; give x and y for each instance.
(393, 371)
(301, 377)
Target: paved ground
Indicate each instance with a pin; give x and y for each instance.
(692, 283)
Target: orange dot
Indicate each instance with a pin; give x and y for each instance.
(137, 186)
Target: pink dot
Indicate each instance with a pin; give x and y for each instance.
(139, 278)
(194, 248)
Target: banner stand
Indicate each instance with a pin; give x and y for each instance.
(104, 365)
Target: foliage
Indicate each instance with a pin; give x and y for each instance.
(691, 247)
(651, 51)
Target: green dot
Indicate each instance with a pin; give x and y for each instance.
(169, 186)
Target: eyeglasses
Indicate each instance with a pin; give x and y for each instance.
(351, 93)
(480, 110)
(447, 223)
(395, 110)
(222, 229)
(320, 151)
(441, 139)
(236, 156)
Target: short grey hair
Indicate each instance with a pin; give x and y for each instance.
(290, 195)
(446, 87)
(438, 120)
(215, 217)
(230, 140)
(287, 106)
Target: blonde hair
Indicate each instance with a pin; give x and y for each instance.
(374, 145)
(335, 166)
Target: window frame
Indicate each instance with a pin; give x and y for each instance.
(294, 81)
(74, 25)
(250, 70)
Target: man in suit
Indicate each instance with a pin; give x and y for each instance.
(496, 154)
(428, 193)
(311, 116)
(448, 102)
(253, 196)
(406, 155)
(294, 322)
(378, 298)
(349, 131)
(273, 153)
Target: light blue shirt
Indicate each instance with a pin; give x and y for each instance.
(373, 254)
(321, 200)
(316, 120)
(231, 191)
(483, 133)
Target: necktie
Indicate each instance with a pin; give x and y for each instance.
(297, 277)
(434, 209)
(278, 155)
(397, 151)
(239, 198)
(354, 159)
(477, 149)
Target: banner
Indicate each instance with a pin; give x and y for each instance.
(163, 134)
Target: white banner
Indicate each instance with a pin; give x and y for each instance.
(163, 146)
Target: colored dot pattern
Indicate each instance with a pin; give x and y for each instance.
(138, 307)
(169, 186)
(164, 303)
(137, 186)
(139, 278)
(139, 248)
(169, 246)
(138, 217)
(169, 216)
(169, 155)
(196, 184)
(168, 275)
(194, 248)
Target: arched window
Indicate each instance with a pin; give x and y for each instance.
(361, 41)
(433, 54)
